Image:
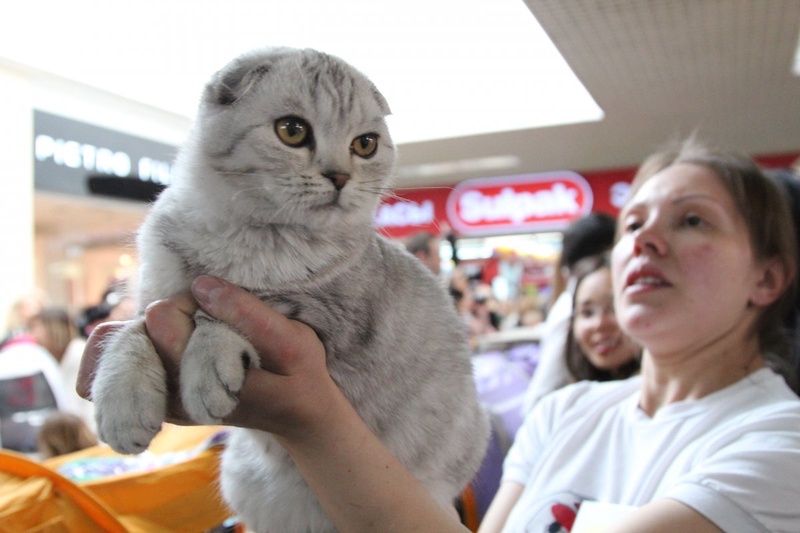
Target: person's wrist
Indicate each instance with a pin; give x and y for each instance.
(325, 413)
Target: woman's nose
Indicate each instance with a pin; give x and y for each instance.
(606, 320)
(648, 239)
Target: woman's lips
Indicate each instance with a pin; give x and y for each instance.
(605, 346)
(645, 279)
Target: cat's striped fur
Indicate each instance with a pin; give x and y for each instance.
(249, 208)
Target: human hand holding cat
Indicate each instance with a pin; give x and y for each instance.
(293, 396)
(283, 396)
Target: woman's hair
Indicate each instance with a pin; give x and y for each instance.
(587, 236)
(22, 310)
(578, 364)
(766, 214)
(64, 433)
(58, 328)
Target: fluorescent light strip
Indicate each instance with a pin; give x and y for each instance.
(460, 166)
(448, 68)
(796, 63)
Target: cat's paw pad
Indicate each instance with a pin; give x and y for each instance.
(213, 371)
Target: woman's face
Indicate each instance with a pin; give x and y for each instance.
(683, 268)
(595, 326)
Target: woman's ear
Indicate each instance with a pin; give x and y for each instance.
(776, 275)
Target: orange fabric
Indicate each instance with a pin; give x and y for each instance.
(470, 509)
(180, 497)
(34, 498)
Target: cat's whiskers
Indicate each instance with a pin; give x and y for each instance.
(240, 174)
(427, 188)
(242, 191)
(384, 192)
(377, 190)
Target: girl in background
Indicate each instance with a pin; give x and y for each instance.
(597, 349)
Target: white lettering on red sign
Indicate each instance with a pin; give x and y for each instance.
(511, 204)
(476, 207)
(405, 213)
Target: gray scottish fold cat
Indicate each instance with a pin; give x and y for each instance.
(275, 190)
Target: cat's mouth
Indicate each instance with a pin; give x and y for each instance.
(335, 202)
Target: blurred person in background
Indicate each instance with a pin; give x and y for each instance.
(91, 317)
(31, 386)
(591, 235)
(425, 246)
(597, 349)
(20, 313)
(115, 305)
(483, 317)
(54, 330)
(523, 312)
(789, 181)
(64, 433)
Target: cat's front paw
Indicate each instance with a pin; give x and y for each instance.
(213, 370)
(129, 391)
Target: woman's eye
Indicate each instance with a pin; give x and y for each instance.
(692, 221)
(365, 145)
(293, 131)
(632, 225)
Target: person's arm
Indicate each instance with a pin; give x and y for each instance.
(504, 500)
(359, 483)
(665, 516)
(551, 371)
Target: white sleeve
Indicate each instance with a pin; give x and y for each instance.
(551, 371)
(532, 436)
(751, 483)
(55, 379)
(27, 359)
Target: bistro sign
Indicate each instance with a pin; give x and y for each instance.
(67, 152)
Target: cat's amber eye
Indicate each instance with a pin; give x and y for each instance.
(293, 131)
(365, 145)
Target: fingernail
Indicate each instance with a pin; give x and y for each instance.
(207, 289)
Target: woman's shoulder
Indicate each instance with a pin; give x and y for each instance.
(586, 396)
(766, 395)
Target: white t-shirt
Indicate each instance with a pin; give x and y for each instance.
(70, 366)
(22, 359)
(734, 455)
(551, 372)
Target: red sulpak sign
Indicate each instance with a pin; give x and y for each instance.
(518, 203)
(490, 206)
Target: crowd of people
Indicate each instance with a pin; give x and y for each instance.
(666, 385)
(40, 354)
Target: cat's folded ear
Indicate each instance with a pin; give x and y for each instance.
(382, 103)
(236, 79)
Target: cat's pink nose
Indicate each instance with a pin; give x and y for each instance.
(338, 179)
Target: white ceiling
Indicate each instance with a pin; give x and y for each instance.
(658, 69)
(421, 54)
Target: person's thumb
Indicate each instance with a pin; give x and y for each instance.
(282, 343)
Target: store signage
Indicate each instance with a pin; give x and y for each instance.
(405, 213)
(66, 152)
(514, 204)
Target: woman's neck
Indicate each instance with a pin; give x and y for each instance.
(695, 372)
